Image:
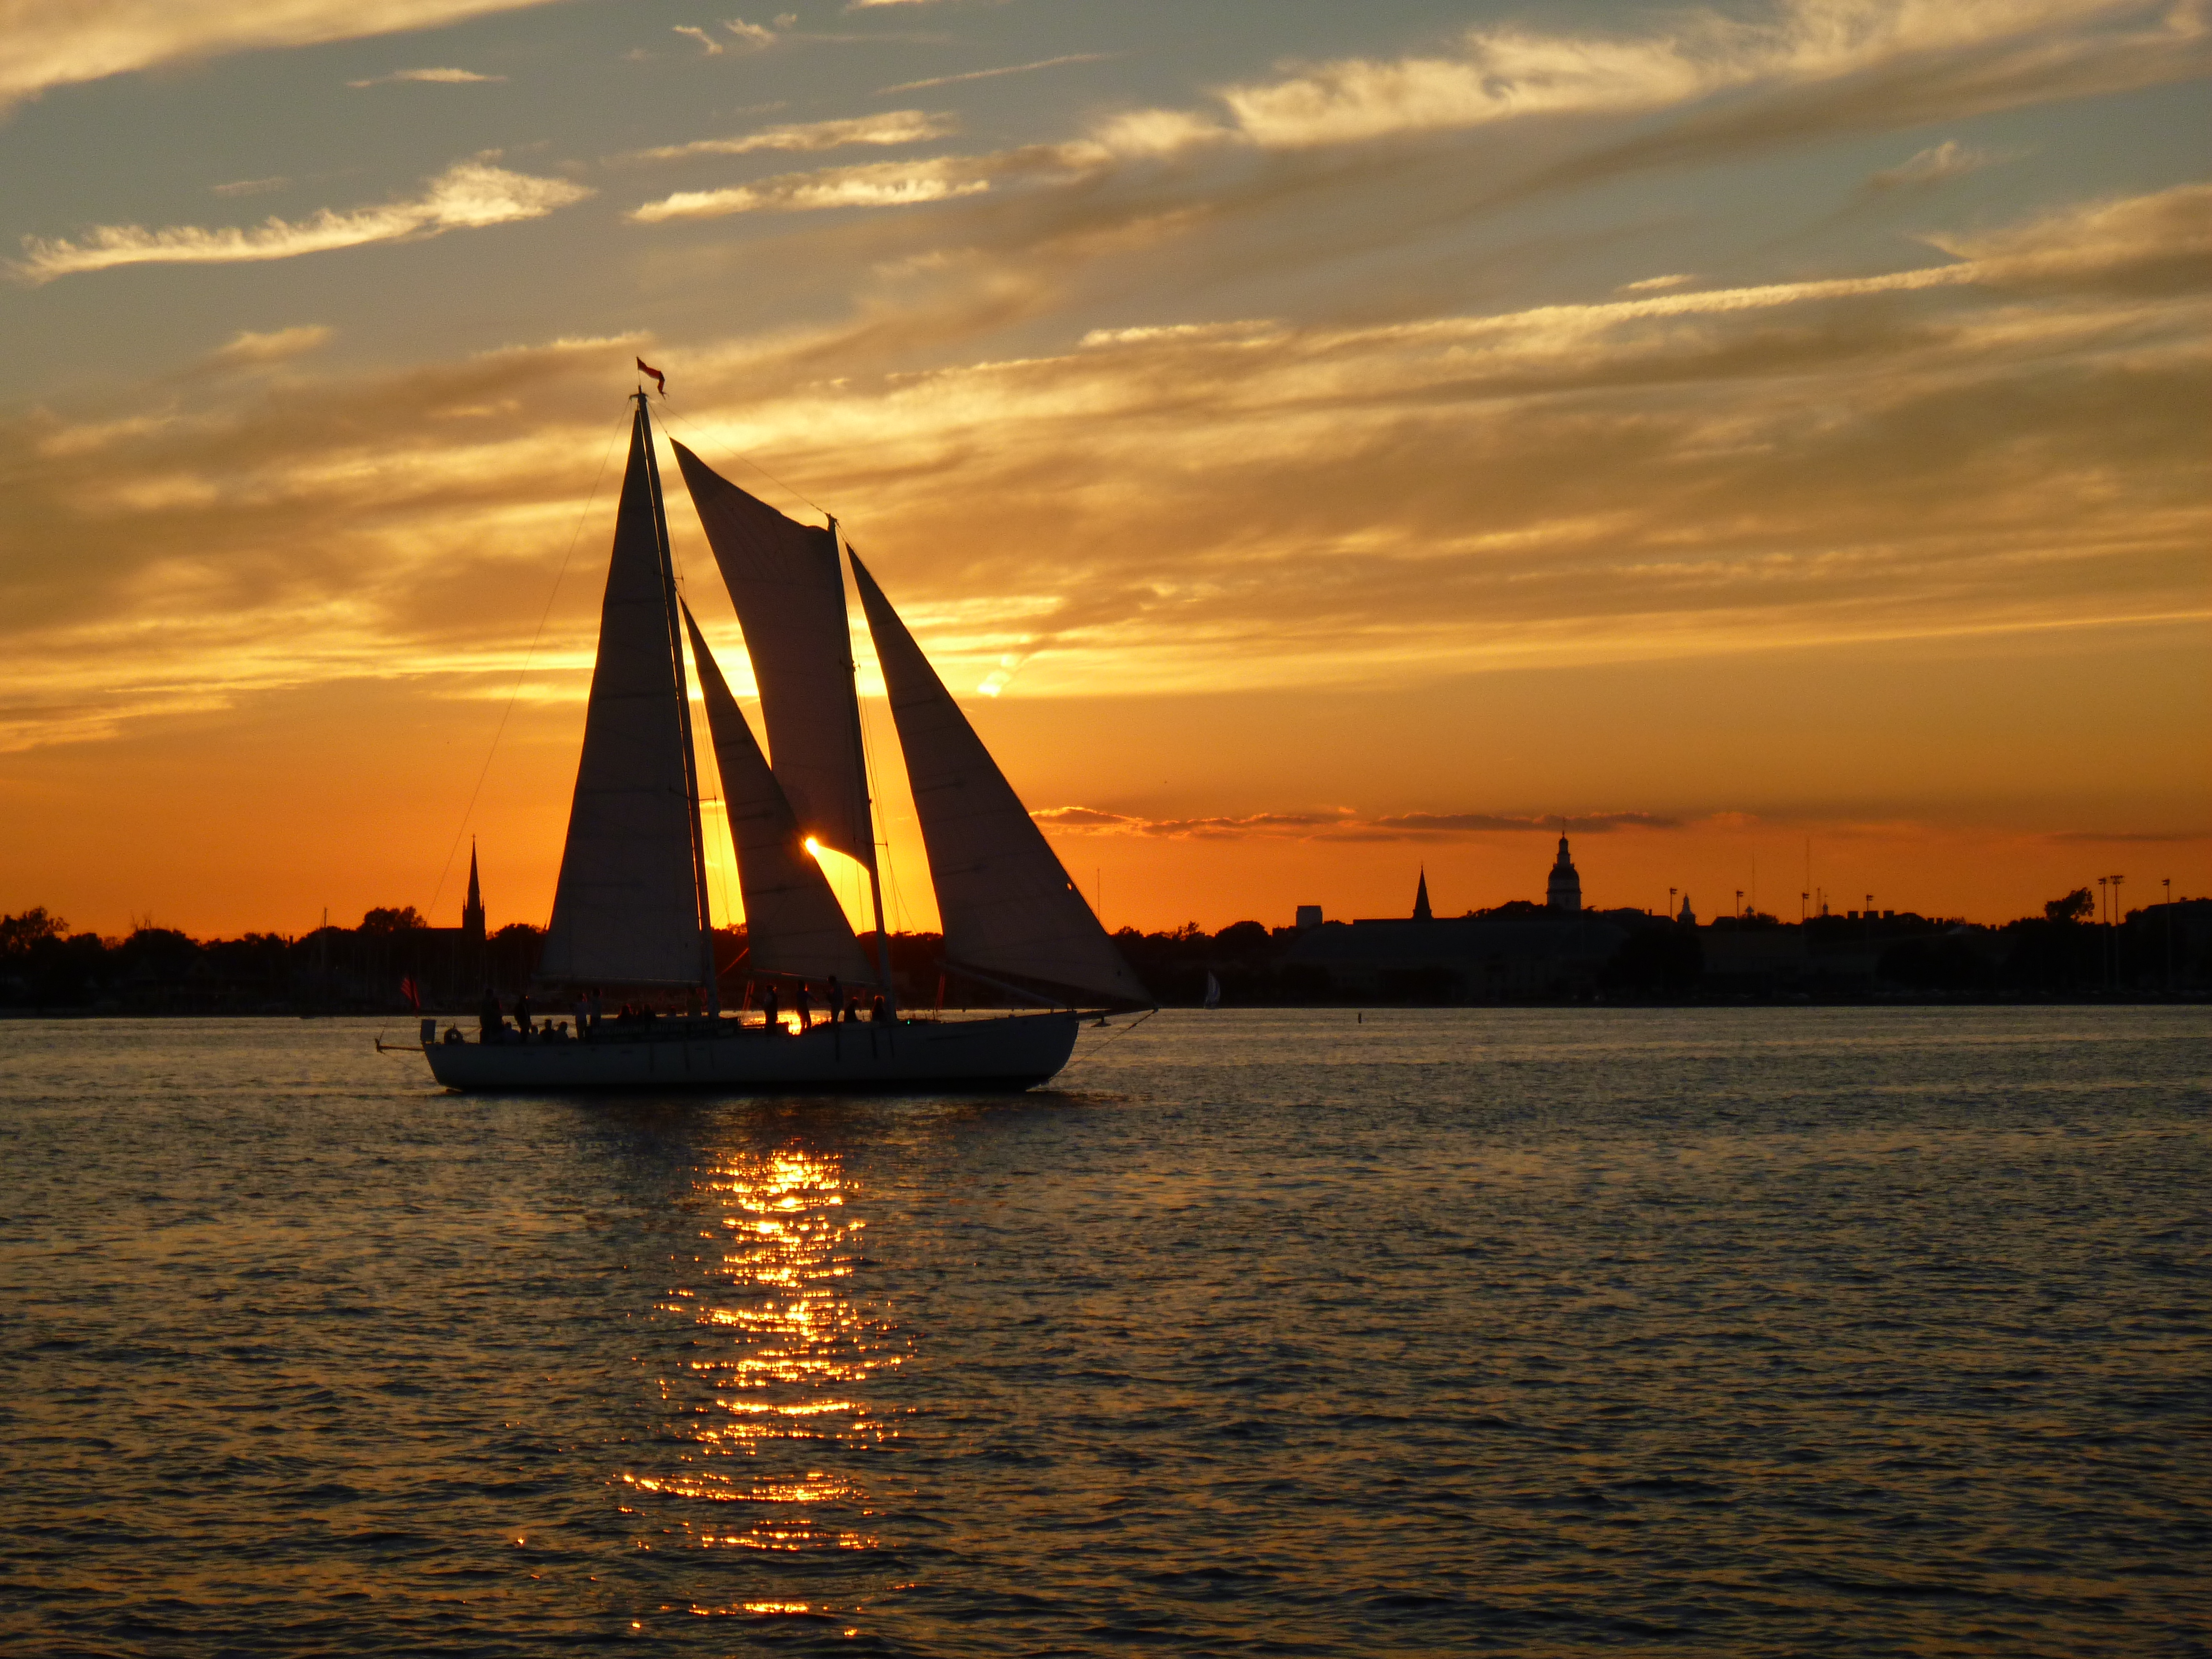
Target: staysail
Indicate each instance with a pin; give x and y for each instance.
(784, 579)
(626, 908)
(1006, 903)
(793, 923)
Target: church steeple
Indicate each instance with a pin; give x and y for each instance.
(472, 916)
(1565, 891)
(1421, 898)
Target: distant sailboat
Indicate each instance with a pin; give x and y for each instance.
(629, 908)
(1212, 991)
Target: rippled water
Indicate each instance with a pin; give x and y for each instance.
(1721, 1331)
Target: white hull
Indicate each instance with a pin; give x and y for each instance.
(1018, 1052)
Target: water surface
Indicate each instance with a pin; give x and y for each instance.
(1713, 1331)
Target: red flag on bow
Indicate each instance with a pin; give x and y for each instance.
(412, 992)
(658, 379)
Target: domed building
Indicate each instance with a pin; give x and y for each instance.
(1565, 890)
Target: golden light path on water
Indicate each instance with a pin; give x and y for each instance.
(771, 1410)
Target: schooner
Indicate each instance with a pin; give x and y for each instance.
(630, 911)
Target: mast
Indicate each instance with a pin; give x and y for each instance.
(709, 982)
(860, 760)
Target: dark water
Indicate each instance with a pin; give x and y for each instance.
(1718, 1331)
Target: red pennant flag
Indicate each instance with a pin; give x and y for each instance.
(658, 379)
(407, 989)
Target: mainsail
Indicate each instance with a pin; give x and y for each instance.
(783, 578)
(1006, 903)
(793, 923)
(627, 909)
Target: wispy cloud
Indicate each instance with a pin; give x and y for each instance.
(439, 77)
(249, 349)
(466, 196)
(1343, 824)
(880, 184)
(994, 74)
(250, 186)
(904, 126)
(1655, 284)
(692, 31)
(53, 43)
(1936, 165)
(1502, 74)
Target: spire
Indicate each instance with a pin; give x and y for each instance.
(1421, 897)
(1565, 891)
(472, 916)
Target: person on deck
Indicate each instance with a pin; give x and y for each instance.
(488, 1022)
(877, 1012)
(771, 1013)
(805, 1010)
(522, 1015)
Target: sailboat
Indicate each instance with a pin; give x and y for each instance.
(630, 912)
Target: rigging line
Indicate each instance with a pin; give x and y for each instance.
(1110, 1041)
(574, 536)
(877, 806)
(669, 417)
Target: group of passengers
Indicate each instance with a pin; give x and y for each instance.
(843, 1008)
(492, 1026)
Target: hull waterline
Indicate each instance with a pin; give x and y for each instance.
(924, 1057)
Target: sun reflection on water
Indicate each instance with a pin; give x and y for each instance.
(771, 1406)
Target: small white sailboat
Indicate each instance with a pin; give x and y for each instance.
(630, 912)
(1212, 990)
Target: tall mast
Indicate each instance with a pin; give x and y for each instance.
(708, 979)
(860, 759)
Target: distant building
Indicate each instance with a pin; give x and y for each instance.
(1421, 898)
(1688, 917)
(1309, 916)
(1565, 891)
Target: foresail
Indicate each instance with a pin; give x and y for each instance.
(793, 923)
(783, 578)
(1007, 905)
(626, 908)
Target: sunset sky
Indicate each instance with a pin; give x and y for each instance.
(1327, 440)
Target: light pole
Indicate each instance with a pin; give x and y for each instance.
(1738, 904)
(1670, 904)
(1802, 899)
(2117, 914)
(2104, 947)
(2167, 979)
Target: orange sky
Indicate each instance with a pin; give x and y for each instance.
(1325, 448)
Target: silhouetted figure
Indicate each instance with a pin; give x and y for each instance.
(522, 1015)
(769, 1012)
(836, 1000)
(595, 1007)
(488, 1022)
(875, 1009)
(805, 1004)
